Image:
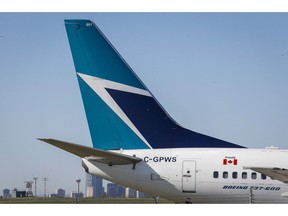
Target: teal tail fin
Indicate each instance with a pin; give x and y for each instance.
(120, 110)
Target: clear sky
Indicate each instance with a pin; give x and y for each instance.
(224, 75)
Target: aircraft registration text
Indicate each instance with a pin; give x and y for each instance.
(160, 159)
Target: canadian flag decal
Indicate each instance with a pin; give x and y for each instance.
(230, 161)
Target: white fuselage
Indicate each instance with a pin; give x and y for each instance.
(200, 175)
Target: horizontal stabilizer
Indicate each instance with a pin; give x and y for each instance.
(101, 156)
(275, 173)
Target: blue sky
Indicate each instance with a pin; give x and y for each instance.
(221, 74)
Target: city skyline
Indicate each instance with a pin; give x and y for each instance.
(111, 190)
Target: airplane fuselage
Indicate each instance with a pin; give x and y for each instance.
(200, 175)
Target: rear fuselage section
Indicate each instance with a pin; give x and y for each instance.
(200, 175)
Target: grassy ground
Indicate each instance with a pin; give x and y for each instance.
(41, 200)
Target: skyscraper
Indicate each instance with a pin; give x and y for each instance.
(115, 190)
(61, 193)
(130, 193)
(94, 186)
(6, 193)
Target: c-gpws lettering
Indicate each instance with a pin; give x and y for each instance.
(157, 159)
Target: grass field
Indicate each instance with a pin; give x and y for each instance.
(41, 200)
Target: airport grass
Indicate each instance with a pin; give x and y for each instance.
(42, 200)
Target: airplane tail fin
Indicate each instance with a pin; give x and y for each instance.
(120, 110)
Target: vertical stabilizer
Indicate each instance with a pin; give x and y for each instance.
(120, 110)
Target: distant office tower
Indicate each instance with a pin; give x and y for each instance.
(94, 186)
(130, 193)
(111, 189)
(13, 193)
(114, 190)
(90, 191)
(74, 194)
(61, 193)
(6, 193)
